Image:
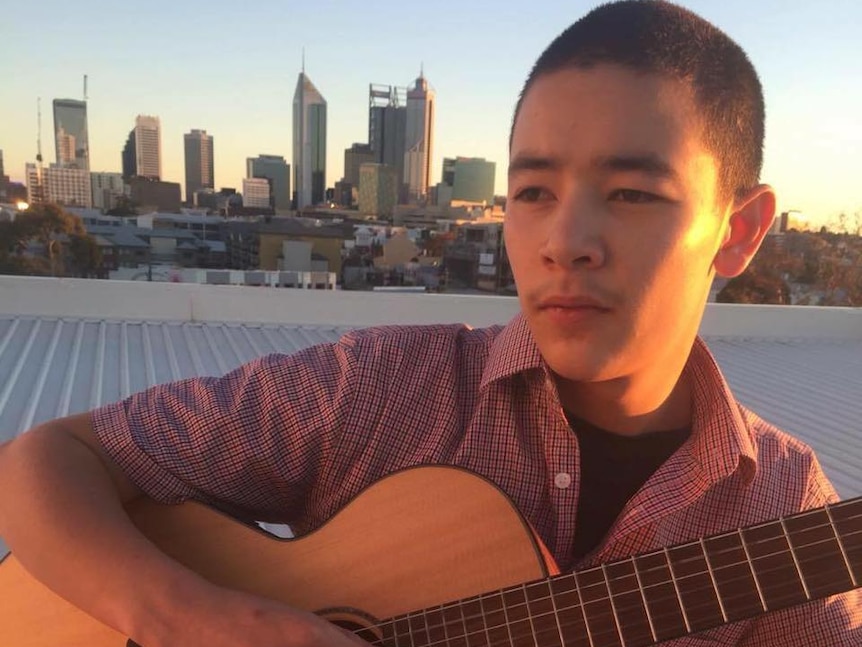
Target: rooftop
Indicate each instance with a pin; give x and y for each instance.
(68, 345)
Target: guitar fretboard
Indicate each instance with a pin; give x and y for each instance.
(659, 595)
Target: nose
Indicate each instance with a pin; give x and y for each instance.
(573, 237)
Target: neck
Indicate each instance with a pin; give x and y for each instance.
(630, 405)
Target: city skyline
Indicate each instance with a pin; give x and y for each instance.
(806, 56)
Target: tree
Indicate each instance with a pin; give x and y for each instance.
(49, 226)
(125, 207)
(753, 286)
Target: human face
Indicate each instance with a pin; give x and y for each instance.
(612, 221)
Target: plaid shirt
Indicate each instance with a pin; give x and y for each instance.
(293, 438)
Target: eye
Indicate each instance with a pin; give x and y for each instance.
(633, 196)
(533, 194)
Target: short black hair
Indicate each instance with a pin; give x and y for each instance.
(655, 36)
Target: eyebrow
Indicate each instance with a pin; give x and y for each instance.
(533, 162)
(649, 163)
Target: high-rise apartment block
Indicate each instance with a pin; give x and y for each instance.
(256, 192)
(378, 189)
(309, 143)
(35, 186)
(67, 186)
(199, 158)
(419, 139)
(148, 147)
(71, 140)
(275, 169)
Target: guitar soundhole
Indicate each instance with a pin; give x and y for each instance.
(132, 643)
(360, 630)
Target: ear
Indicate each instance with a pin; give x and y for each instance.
(746, 228)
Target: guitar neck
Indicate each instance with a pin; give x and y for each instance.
(660, 595)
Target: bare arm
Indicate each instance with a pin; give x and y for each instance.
(61, 512)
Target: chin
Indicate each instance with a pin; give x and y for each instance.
(580, 361)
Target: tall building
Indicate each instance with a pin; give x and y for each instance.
(387, 126)
(309, 143)
(354, 157)
(199, 163)
(129, 155)
(378, 189)
(148, 147)
(277, 171)
(256, 192)
(71, 141)
(35, 186)
(419, 139)
(68, 186)
(472, 179)
(106, 188)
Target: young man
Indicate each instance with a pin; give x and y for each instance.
(633, 179)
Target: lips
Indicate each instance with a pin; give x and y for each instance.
(572, 303)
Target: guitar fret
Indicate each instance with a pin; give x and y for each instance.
(628, 604)
(494, 619)
(714, 582)
(599, 610)
(777, 572)
(676, 588)
(734, 578)
(642, 592)
(753, 573)
(556, 614)
(530, 615)
(661, 595)
(613, 606)
(569, 611)
(507, 621)
(583, 610)
(697, 589)
(841, 546)
(795, 559)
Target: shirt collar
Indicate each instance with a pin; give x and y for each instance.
(513, 351)
(721, 438)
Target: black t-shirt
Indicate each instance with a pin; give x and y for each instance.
(613, 468)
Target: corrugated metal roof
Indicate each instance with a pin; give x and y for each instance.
(55, 367)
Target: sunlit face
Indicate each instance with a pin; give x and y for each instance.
(612, 220)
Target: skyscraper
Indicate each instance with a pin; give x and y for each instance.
(354, 157)
(387, 125)
(419, 138)
(277, 171)
(199, 163)
(129, 155)
(309, 143)
(71, 141)
(148, 147)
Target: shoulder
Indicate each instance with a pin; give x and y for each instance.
(394, 339)
(788, 464)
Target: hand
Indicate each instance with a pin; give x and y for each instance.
(234, 619)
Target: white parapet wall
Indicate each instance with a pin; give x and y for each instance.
(143, 301)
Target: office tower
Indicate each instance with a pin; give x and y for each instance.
(309, 143)
(199, 163)
(148, 147)
(256, 192)
(277, 171)
(71, 141)
(378, 189)
(471, 179)
(354, 157)
(129, 155)
(67, 185)
(387, 126)
(419, 139)
(35, 187)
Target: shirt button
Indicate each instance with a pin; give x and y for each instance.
(563, 480)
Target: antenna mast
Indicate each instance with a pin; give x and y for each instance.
(39, 132)
(85, 87)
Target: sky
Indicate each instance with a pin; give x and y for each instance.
(231, 69)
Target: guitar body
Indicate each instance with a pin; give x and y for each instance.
(415, 539)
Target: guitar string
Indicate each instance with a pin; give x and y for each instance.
(556, 627)
(617, 594)
(685, 561)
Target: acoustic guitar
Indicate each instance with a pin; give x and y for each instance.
(439, 557)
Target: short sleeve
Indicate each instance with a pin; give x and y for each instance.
(251, 442)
